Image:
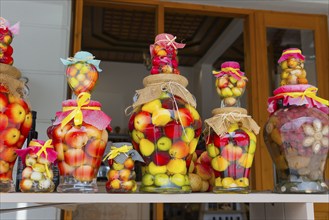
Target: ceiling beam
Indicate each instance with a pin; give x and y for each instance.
(225, 40)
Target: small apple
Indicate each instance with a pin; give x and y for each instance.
(76, 138)
(125, 174)
(179, 150)
(84, 173)
(154, 169)
(137, 135)
(4, 166)
(15, 113)
(141, 120)
(204, 158)
(129, 163)
(3, 121)
(241, 83)
(146, 147)
(26, 185)
(204, 171)
(115, 184)
(130, 185)
(95, 148)
(184, 116)
(173, 130)
(152, 106)
(161, 158)
(113, 174)
(161, 117)
(188, 134)
(148, 179)
(58, 132)
(74, 157)
(10, 136)
(161, 179)
(222, 82)
(27, 124)
(164, 144)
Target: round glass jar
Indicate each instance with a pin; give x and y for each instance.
(165, 129)
(38, 160)
(230, 84)
(80, 143)
(231, 143)
(297, 138)
(15, 122)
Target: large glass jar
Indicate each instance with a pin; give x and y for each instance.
(38, 159)
(297, 137)
(231, 143)
(79, 137)
(165, 128)
(15, 122)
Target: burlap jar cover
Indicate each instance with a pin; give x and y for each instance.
(9, 78)
(223, 117)
(158, 83)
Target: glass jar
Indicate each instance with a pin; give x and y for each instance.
(292, 65)
(297, 137)
(230, 84)
(165, 128)
(15, 122)
(164, 54)
(231, 143)
(38, 160)
(121, 176)
(7, 34)
(79, 136)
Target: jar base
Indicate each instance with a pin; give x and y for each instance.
(165, 190)
(69, 184)
(308, 187)
(7, 186)
(220, 189)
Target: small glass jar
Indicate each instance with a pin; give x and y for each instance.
(292, 65)
(80, 142)
(121, 176)
(297, 137)
(230, 84)
(15, 121)
(7, 34)
(38, 160)
(231, 143)
(165, 128)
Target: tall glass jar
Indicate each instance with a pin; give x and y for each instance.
(230, 84)
(165, 128)
(38, 159)
(297, 137)
(15, 121)
(230, 137)
(79, 137)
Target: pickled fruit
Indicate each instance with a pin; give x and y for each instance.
(7, 33)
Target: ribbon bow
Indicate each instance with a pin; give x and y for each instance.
(76, 113)
(43, 149)
(309, 92)
(227, 70)
(116, 151)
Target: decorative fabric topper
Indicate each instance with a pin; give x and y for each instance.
(5, 24)
(291, 53)
(166, 40)
(301, 94)
(121, 153)
(230, 68)
(82, 56)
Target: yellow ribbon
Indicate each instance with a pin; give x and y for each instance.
(116, 151)
(292, 51)
(309, 92)
(76, 114)
(230, 69)
(43, 149)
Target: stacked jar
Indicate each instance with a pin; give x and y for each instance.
(297, 135)
(38, 159)
(7, 33)
(165, 128)
(230, 135)
(164, 54)
(79, 132)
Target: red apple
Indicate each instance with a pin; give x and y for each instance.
(23, 104)
(8, 154)
(4, 166)
(92, 132)
(205, 171)
(142, 120)
(74, 157)
(125, 174)
(84, 173)
(3, 102)
(129, 163)
(179, 150)
(221, 141)
(10, 136)
(3, 121)
(112, 174)
(204, 158)
(184, 116)
(58, 132)
(7, 60)
(161, 158)
(152, 133)
(76, 138)
(173, 130)
(27, 124)
(9, 51)
(15, 113)
(95, 148)
(241, 138)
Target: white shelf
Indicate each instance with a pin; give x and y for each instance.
(261, 197)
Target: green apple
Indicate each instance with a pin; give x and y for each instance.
(152, 106)
(188, 134)
(164, 143)
(154, 169)
(137, 136)
(161, 179)
(146, 147)
(148, 179)
(178, 179)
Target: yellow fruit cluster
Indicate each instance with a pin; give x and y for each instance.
(293, 72)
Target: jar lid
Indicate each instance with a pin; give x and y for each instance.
(224, 110)
(10, 70)
(162, 77)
